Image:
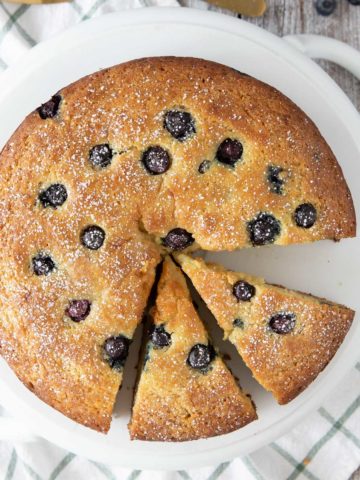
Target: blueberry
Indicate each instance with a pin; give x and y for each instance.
(92, 237)
(100, 156)
(156, 160)
(42, 264)
(178, 239)
(229, 151)
(201, 356)
(50, 108)
(243, 291)
(263, 229)
(275, 180)
(204, 166)
(325, 7)
(160, 337)
(116, 350)
(305, 215)
(282, 322)
(238, 323)
(78, 310)
(179, 124)
(54, 196)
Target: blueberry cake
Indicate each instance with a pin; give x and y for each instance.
(152, 156)
(285, 337)
(185, 391)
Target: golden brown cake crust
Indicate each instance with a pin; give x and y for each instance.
(174, 402)
(60, 360)
(124, 106)
(284, 364)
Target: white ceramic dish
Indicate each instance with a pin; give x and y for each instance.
(327, 269)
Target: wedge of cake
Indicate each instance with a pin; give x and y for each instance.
(285, 337)
(184, 391)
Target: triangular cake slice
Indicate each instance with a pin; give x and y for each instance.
(285, 337)
(184, 391)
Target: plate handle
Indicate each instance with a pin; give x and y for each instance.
(318, 46)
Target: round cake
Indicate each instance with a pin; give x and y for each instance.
(120, 168)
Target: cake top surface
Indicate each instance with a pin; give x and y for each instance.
(124, 165)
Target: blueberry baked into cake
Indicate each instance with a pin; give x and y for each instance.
(185, 391)
(285, 337)
(120, 169)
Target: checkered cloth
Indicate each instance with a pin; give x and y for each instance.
(325, 446)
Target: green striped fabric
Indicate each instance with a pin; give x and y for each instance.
(325, 446)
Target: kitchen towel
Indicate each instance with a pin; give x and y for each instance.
(324, 446)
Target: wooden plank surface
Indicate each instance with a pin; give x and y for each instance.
(284, 17)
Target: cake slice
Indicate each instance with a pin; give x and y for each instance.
(184, 391)
(285, 337)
